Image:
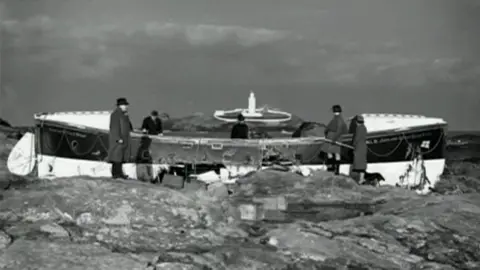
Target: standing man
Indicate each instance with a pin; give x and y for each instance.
(152, 125)
(335, 129)
(240, 129)
(359, 143)
(119, 138)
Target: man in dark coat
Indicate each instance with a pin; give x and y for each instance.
(119, 138)
(240, 129)
(359, 143)
(152, 125)
(335, 129)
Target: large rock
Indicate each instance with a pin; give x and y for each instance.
(460, 178)
(317, 222)
(133, 225)
(332, 218)
(322, 196)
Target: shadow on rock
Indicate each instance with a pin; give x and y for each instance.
(403, 231)
(320, 197)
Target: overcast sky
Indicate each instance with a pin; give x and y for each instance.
(184, 56)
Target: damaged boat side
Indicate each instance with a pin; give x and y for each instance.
(76, 144)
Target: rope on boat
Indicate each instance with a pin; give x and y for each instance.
(97, 139)
(430, 149)
(71, 144)
(261, 153)
(50, 147)
(386, 154)
(74, 148)
(404, 138)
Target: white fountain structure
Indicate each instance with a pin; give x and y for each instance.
(253, 114)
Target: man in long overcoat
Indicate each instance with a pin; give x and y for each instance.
(335, 129)
(119, 138)
(359, 143)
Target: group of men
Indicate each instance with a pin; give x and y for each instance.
(119, 136)
(335, 129)
(121, 126)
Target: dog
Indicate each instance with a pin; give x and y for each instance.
(373, 179)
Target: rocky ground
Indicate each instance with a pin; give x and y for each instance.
(318, 222)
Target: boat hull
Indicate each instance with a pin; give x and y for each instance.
(64, 150)
(92, 144)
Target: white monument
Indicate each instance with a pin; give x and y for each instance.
(252, 107)
(253, 114)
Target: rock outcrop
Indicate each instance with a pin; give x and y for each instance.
(329, 223)
(273, 220)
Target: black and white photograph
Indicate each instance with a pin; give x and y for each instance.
(239, 134)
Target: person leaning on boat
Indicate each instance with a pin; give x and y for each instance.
(240, 129)
(119, 138)
(152, 125)
(359, 143)
(334, 130)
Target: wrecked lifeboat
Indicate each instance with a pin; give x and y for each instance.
(67, 144)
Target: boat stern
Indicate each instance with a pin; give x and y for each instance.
(22, 159)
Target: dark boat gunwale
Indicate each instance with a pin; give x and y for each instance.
(262, 141)
(385, 138)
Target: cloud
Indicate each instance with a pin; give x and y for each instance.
(199, 35)
(89, 52)
(172, 52)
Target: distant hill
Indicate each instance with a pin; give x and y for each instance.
(4, 123)
(462, 138)
(454, 133)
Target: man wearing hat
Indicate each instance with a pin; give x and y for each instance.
(119, 138)
(359, 143)
(240, 129)
(152, 124)
(334, 130)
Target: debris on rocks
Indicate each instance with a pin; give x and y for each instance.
(54, 230)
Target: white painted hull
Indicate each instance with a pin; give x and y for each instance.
(54, 167)
(23, 159)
